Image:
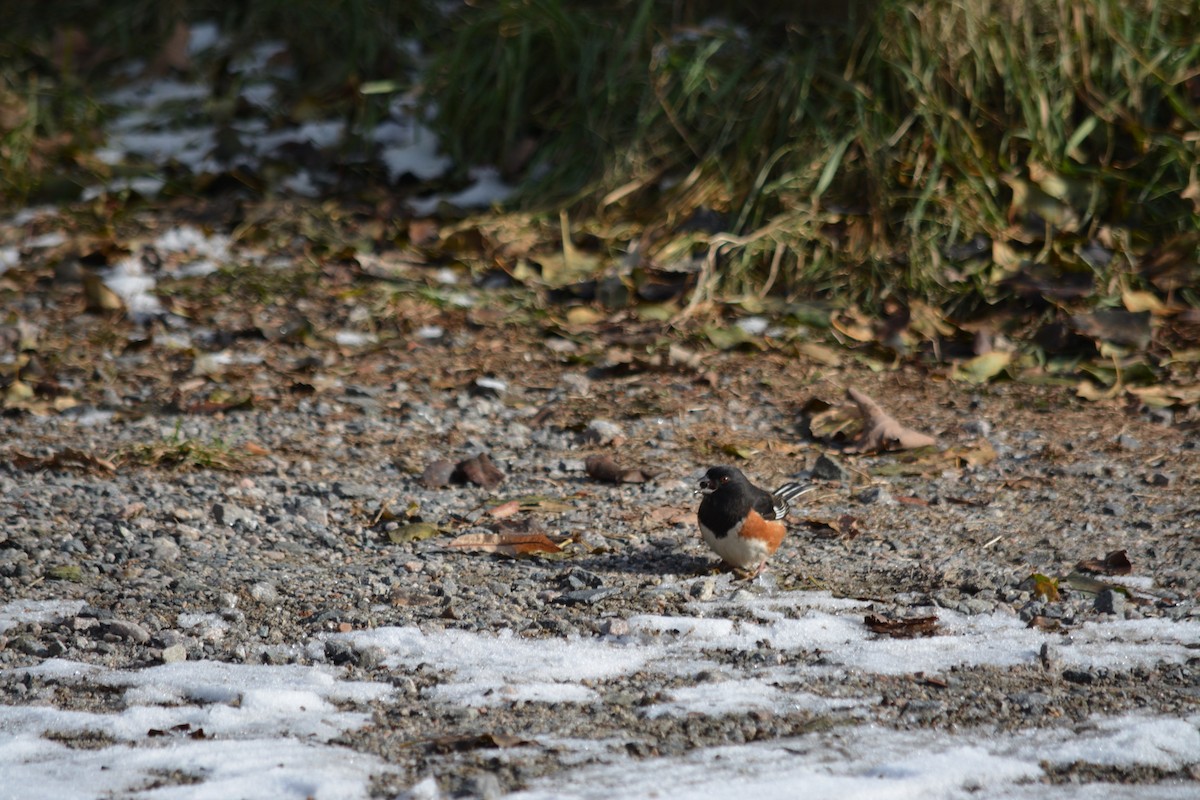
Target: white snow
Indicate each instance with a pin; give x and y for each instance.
(267, 729)
(409, 148)
(9, 258)
(487, 188)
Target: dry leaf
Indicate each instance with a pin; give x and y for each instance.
(1115, 563)
(506, 544)
(881, 431)
(671, 515)
(983, 368)
(480, 471)
(603, 468)
(413, 532)
(69, 458)
(505, 509)
(845, 526)
(458, 744)
(1043, 587)
(98, 298)
(905, 628)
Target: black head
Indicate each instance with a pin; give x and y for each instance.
(719, 477)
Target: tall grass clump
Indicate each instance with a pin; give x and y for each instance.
(843, 153)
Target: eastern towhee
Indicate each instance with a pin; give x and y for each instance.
(741, 522)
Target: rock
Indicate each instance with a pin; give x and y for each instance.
(586, 596)
(703, 589)
(977, 427)
(349, 490)
(1110, 601)
(164, 550)
(1030, 702)
(827, 468)
(129, 631)
(264, 592)
(228, 514)
(601, 432)
(1079, 676)
(578, 578)
(437, 474)
(174, 654)
(1049, 656)
(313, 510)
(1162, 479)
(614, 627)
(1127, 442)
(876, 495)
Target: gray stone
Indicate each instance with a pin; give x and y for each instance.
(586, 596)
(228, 514)
(601, 431)
(174, 653)
(876, 495)
(164, 550)
(129, 631)
(828, 468)
(264, 592)
(1110, 601)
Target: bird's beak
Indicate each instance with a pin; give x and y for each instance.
(706, 486)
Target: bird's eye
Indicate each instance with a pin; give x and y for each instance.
(724, 479)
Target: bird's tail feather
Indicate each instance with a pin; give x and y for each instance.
(786, 494)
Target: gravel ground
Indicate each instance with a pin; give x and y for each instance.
(176, 561)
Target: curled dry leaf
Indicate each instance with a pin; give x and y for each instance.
(881, 431)
(845, 527)
(70, 458)
(603, 468)
(506, 544)
(478, 470)
(1115, 563)
(904, 628)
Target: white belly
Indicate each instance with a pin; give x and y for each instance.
(734, 550)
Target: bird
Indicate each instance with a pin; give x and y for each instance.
(742, 523)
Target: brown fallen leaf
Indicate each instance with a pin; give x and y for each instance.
(476, 741)
(904, 628)
(511, 544)
(1045, 623)
(69, 458)
(603, 468)
(881, 431)
(1115, 563)
(98, 298)
(845, 526)
(671, 515)
(220, 406)
(505, 509)
(480, 471)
